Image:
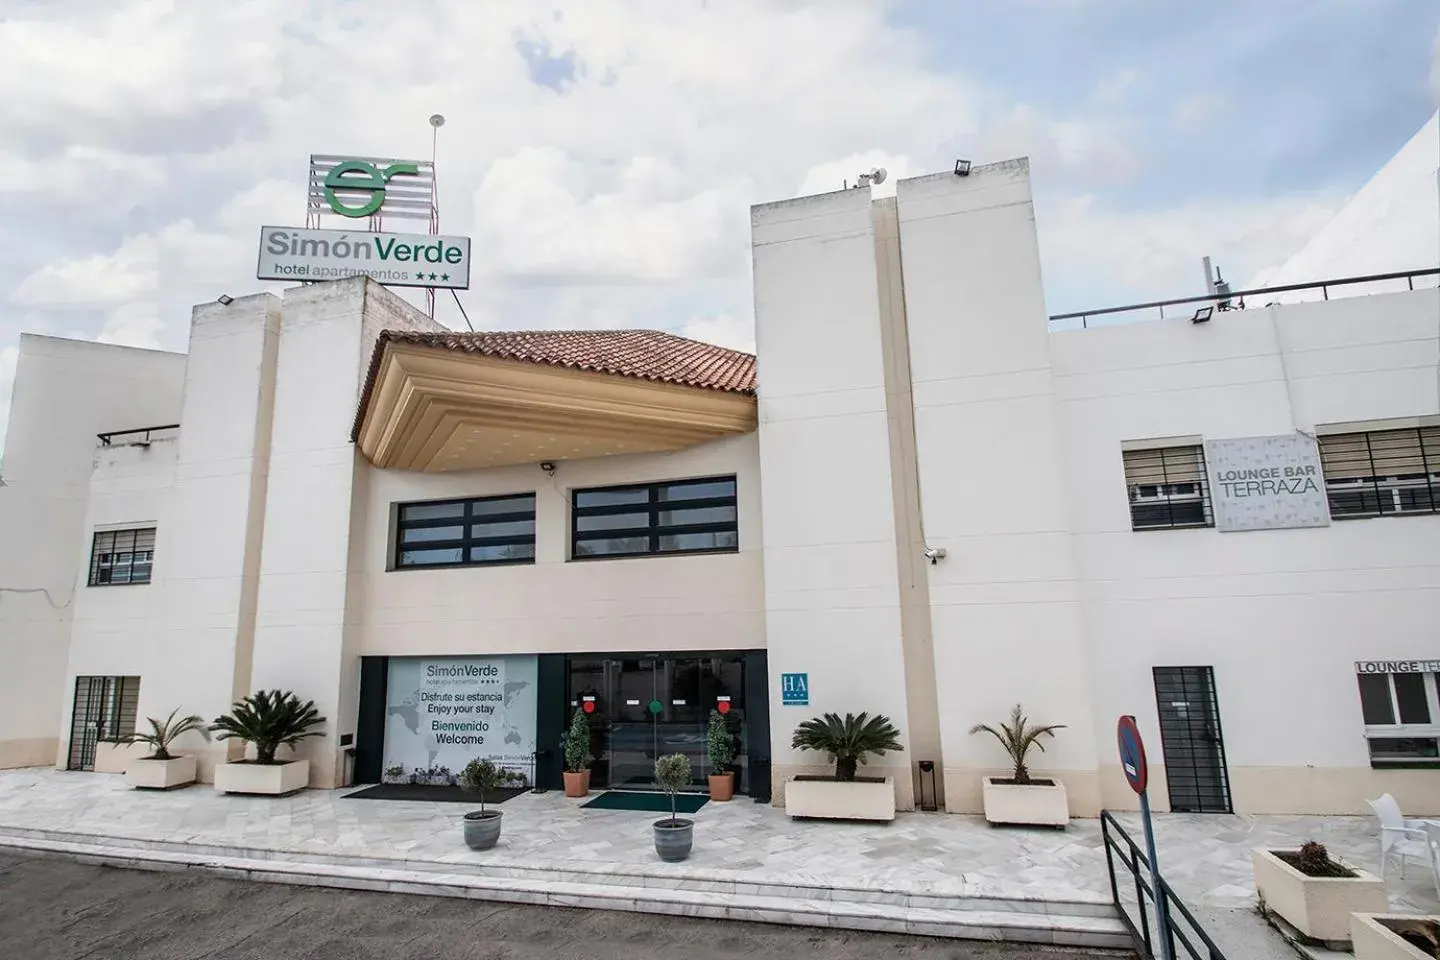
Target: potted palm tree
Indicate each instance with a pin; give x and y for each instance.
(1018, 798)
(720, 748)
(482, 827)
(847, 743)
(577, 755)
(267, 719)
(162, 770)
(673, 836)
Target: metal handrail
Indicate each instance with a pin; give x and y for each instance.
(106, 438)
(1139, 867)
(1322, 285)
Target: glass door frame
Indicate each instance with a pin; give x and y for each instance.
(664, 672)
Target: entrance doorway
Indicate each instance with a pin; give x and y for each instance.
(104, 708)
(646, 705)
(1191, 739)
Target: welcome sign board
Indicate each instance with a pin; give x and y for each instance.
(394, 259)
(447, 711)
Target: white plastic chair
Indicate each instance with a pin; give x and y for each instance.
(1403, 839)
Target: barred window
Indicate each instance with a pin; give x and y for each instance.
(1382, 472)
(466, 533)
(1167, 488)
(687, 516)
(122, 556)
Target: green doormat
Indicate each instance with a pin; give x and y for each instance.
(652, 802)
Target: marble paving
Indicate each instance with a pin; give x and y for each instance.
(1205, 857)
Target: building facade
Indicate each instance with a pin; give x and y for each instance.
(920, 500)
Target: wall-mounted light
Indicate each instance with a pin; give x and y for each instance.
(962, 168)
(224, 299)
(1203, 315)
(548, 466)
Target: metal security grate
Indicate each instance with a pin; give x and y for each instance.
(104, 709)
(1382, 472)
(1167, 487)
(122, 556)
(1192, 740)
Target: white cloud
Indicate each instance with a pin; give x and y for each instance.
(1088, 247)
(1089, 150)
(99, 280)
(736, 331)
(1195, 113)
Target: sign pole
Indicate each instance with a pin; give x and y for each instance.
(1162, 918)
(1137, 773)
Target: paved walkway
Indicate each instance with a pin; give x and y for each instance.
(1206, 858)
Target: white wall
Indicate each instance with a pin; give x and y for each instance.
(66, 391)
(832, 596)
(1281, 615)
(305, 630)
(1005, 602)
(697, 602)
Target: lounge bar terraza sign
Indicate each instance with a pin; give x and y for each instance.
(394, 259)
(1266, 483)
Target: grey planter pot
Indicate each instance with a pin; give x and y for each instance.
(674, 838)
(482, 829)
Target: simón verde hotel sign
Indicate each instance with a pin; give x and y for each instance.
(377, 190)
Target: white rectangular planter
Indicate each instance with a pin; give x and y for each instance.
(161, 774)
(1375, 939)
(271, 779)
(112, 757)
(1318, 907)
(838, 800)
(1030, 804)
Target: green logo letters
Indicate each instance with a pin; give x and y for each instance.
(361, 175)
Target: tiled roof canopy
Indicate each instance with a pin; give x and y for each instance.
(643, 354)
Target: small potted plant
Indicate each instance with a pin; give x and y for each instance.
(673, 836)
(162, 770)
(1018, 798)
(720, 747)
(1315, 893)
(847, 743)
(267, 719)
(577, 755)
(482, 827)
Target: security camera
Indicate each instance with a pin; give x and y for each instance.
(935, 554)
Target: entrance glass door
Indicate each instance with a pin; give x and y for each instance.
(645, 706)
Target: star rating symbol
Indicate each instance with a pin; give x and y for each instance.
(444, 276)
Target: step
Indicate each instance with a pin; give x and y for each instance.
(970, 924)
(673, 877)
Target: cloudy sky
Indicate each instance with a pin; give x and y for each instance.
(603, 153)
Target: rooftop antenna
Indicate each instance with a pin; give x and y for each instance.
(876, 176)
(436, 122)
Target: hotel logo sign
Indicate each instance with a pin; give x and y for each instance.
(394, 259)
(1266, 483)
(359, 187)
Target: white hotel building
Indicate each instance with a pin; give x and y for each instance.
(329, 493)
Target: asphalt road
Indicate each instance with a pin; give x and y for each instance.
(53, 909)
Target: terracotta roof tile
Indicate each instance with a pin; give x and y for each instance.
(644, 354)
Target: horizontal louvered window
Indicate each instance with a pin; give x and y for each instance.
(1167, 488)
(1382, 472)
(122, 556)
(466, 533)
(686, 516)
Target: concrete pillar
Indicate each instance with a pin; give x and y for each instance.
(1005, 605)
(832, 596)
(208, 543)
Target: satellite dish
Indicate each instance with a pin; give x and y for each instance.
(878, 175)
(436, 120)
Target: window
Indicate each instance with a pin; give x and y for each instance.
(687, 516)
(122, 556)
(1401, 710)
(466, 533)
(1167, 488)
(1382, 472)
